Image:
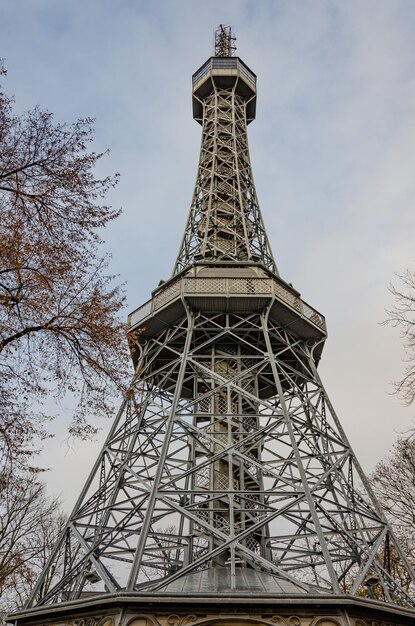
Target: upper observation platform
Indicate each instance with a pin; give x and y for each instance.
(223, 73)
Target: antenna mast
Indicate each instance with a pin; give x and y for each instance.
(224, 42)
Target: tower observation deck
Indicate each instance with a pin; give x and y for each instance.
(226, 473)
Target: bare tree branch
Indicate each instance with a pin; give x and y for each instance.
(393, 480)
(30, 523)
(60, 327)
(402, 316)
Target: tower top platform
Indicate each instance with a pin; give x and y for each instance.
(224, 72)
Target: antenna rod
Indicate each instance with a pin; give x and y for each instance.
(224, 42)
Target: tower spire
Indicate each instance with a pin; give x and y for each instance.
(224, 41)
(226, 471)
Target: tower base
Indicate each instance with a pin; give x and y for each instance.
(224, 609)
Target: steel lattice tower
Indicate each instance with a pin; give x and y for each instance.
(226, 467)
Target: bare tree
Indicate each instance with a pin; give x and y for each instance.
(394, 483)
(60, 331)
(402, 315)
(30, 523)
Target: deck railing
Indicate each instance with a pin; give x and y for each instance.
(220, 286)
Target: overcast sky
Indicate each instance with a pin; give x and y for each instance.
(332, 151)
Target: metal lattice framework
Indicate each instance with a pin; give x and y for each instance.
(224, 42)
(225, 223)
(226, 452)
